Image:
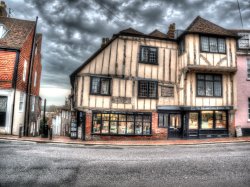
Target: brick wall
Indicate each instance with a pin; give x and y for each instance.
(24, 55)
(7, 64)
(157, 133)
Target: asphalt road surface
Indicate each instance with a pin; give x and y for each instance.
(33, 164)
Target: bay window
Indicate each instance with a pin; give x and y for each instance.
(209, 85)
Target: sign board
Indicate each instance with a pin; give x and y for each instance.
(238, 131)
(73, 126)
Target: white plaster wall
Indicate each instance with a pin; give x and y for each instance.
(10, 95)
(18, 115)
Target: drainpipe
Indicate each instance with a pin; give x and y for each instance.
(29, 84)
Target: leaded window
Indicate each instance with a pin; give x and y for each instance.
(147, 89)
(148, 55)
(121, 123)
(209, 85)
(244, 41)
(213, 44)
(100, 86)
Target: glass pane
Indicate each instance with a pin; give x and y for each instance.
(95, 85)
(105, 86)
(97, 117)
(204, 43)
(105, 127)
(217, 89)
(122, 127)
(138, 118)
(209, 88)
(165, 120)
(221, 119)
(144, 54)
(130, 117)
(213, 44)
(201, 88)
(152, 89)
(175, 121)
(113, 127)
(122, 117)
(222, 45)
(3, 104)
(138, 127)
(146, 118)
(143, 89)
(193, 120)
(130, 127)
(96, 127)
(153, 55)
(161, 120)
(113, 117)
(146, 128)
(217, 77)
(207, 119)
(200, 77)
(105, 117)
(209, 77)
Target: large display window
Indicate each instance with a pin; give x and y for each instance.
(121, 123)
(207, 119)
(193, 120)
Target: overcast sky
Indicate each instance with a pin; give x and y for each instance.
(72, 29)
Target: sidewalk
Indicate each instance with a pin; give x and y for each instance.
(67, 140)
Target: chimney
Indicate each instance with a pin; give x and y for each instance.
(104, 41)
(171, 31)
(3, 12)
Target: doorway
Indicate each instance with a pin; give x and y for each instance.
(175, 128)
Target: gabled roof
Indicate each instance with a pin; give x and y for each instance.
(158, 34)
(18, 30)
(201, 25)
(131, 31)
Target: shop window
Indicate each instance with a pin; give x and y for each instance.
(213, 44)
(121, 124)
(147, 89)
(3, 110)
(209, 85)
(100, 86)
(163, 120)
(193, 120)
(207, 120)
(220, 119)
(148, 55)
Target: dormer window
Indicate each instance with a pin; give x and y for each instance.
(212, 44)
(244, 41)
(3, 30)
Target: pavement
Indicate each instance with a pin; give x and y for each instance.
(67, 140)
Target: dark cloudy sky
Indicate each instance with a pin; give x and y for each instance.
(72, 29)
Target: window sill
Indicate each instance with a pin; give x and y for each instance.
(213, 52)
(209, 96)
(148, 63)
(99, 94)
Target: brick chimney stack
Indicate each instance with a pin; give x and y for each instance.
(104, 41)
(3, 12)
(171, 31)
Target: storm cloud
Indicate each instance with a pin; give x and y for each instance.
(72, 29)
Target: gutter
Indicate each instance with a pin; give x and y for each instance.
(29, 84)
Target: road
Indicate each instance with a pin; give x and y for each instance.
(34, 164)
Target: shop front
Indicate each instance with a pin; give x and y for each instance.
(195, 122)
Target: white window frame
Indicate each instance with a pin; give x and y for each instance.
(24, 70)
(33, 100)
(21, 102)
(3, 30)
(35, 79)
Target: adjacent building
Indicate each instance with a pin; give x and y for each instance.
(243, 81)
(20, 73)
(180, 84)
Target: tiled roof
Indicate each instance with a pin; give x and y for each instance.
(18, 31)
(158, 34)
(200, 25)
(131, 31)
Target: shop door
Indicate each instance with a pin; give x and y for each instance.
(175, 126)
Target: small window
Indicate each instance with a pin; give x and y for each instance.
(35, 79)
(33, 102)
(100, 86)
(149, 55)
(147, 89)
(181, 47)
(248, 68)
(24, 70)
(244, 41)
(163, 120)
(21, 102)
(213, 44)
(249, 108)
(209, 85)
(3, 30)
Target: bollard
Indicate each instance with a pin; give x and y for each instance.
(20, 131)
